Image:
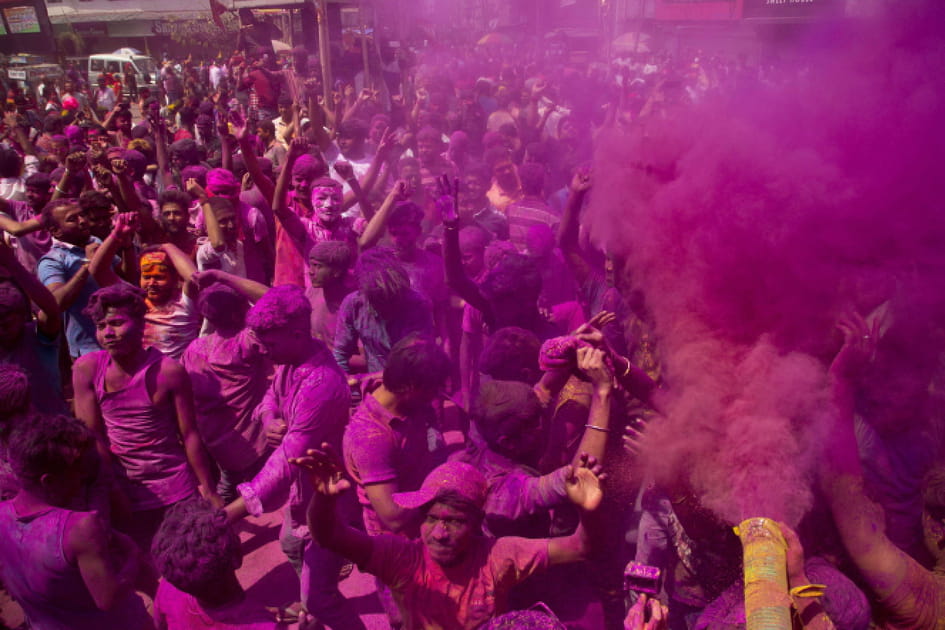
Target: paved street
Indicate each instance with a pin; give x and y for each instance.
(267, 577)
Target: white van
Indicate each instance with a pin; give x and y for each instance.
(146, 71)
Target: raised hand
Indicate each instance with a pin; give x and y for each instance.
(590, 332)
(400, 191)
(581, 181)
(196, 190)
(124, 226)
(386, 143)
(647, 614)
(76, 162)
(634, 437)
(859, 345)
(446, 201)
(590, 362)
(119, 167)
(324, 470)
(583, 483)
(344, 170)
(298, 147)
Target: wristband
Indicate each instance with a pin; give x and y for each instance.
(596, 428)
(809, 590)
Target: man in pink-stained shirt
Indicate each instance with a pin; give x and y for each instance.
(453, 578)
(306, 405)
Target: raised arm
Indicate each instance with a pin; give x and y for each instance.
(325, 474)
(251, 289)
(100, 266)
(860, 522)
(584, 491)
(455, 276)
(17, 228)
(346, 172)
(48, 319)
(251, 160)
(280, 206)
(590, 361)
(378, 223)
(214, 233)
(568, 229)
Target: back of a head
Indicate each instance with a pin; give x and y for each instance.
(11, 164)
(195, 548)
(405, 213)
(532, 176)
(47, 444)
(381, 278)
(511, 354)
(515, 275)
(14, 393)
(223, 307)
(338, 255)
(500, 407)
(416, 362)
(284, 306)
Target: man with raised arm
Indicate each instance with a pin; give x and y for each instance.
(453, 577)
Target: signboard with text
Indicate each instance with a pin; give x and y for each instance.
(25, 27)
(792, 8)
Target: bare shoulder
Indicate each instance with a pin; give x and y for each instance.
(84, 367)
(85, 532)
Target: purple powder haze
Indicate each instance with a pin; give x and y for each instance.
(751, 224)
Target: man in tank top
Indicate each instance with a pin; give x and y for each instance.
(140, 405)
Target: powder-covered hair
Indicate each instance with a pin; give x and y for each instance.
(511, 354)
(523, 620)
(284, 306)
(416, 362)
(47, 444)
(513, 275)
(336, 254)
(195, 548)
(119, 295)
(381, 277)
(223, 306)
(14, 393)
(405, 213)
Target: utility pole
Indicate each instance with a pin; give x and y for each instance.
(368, 83)
(324, 49)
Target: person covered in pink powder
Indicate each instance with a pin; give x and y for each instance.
(229, 373)
(66, 568)
(139, 405)
(329, 272)
(326, 222)
(172, 321)
(306, 405)
(386, 445)
(198, 553)
(254, 232)
(452, 577)
(904, 592)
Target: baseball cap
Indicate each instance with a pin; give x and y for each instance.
(456, 477)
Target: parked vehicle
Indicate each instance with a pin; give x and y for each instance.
(146, 71)
(29, 70)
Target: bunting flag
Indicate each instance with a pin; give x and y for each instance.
(216, 10)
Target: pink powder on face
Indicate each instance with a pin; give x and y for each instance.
(750, 224)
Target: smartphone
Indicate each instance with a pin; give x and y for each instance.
(641, 578)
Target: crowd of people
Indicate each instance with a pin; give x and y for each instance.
(233, 297)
